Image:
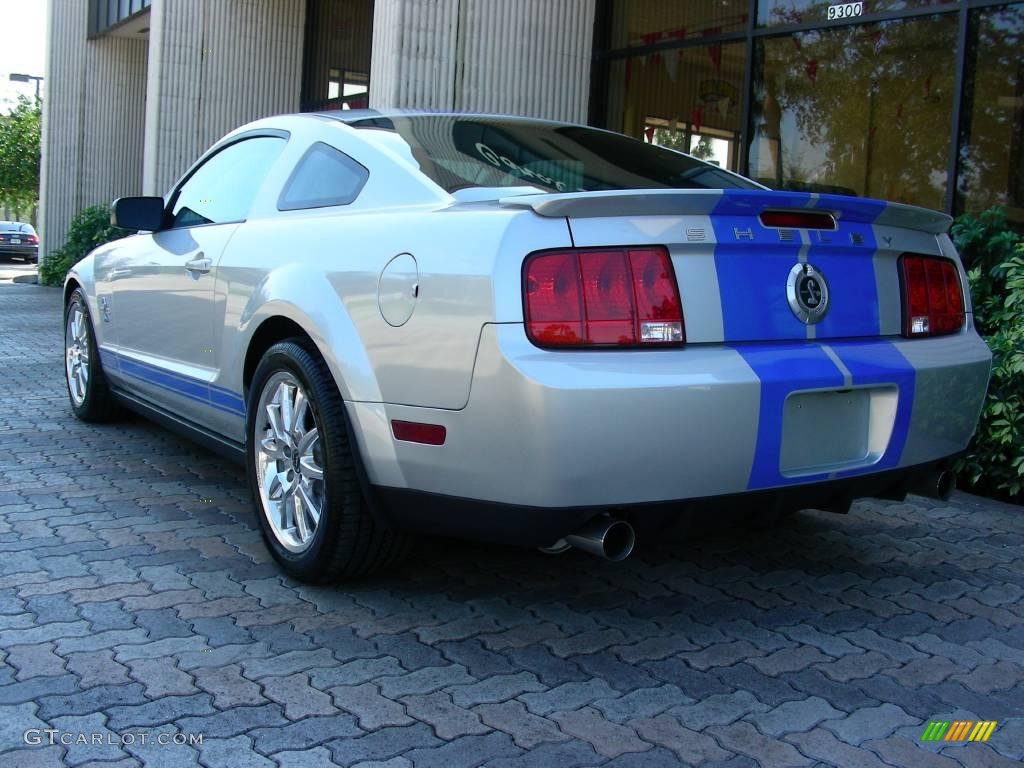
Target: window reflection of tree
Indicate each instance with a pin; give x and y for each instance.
(992, 147)
(866, 106)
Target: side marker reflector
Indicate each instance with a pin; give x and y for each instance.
(415, 432)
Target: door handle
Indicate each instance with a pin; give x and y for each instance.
(200, 264)
(117, 273)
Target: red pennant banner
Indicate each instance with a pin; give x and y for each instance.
(811, 68)
(715, 52)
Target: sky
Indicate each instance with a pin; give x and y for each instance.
(23, 49)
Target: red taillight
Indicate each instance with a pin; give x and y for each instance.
(933, 303)
(415, 432)
(32, 240)
(604, 297)
(798, 220)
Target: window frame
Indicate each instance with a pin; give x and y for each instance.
(172, 199)
(280, 204)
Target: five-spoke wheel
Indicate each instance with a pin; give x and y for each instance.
(76, 353)
(90, 395)
(304, 471)
(289, 462)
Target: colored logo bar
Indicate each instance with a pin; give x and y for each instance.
(958, 730)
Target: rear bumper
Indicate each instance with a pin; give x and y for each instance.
(583, 430)
(463, 518)
(20, 251)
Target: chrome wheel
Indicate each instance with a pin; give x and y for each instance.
(76, 353)
(289, 462)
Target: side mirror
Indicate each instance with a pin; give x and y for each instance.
(138, 213)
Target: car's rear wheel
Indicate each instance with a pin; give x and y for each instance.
(303, 473)
(91, 398)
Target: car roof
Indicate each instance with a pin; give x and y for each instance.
(14, 225)
(357, 115)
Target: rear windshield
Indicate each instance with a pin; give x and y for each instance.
(457, 152)
(16, 226)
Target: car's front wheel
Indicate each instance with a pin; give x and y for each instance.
(91, 398)
(303, 474)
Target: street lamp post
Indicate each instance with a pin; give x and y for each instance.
(17, 77)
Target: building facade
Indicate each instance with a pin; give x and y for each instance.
(919, 101)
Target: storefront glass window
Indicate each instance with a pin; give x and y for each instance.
(991, 168)
(336, 55)
(777, 12)
(862, 110)
(647, 22)
(685, 98)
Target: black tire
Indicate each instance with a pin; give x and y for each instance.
(99, 404)
(347, 543)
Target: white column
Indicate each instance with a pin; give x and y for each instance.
(92, 119)
(212, 67)
(525, 57)
(414, 54)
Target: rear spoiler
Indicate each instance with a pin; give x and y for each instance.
(729, 202)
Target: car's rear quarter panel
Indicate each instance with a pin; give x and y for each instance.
(330, 286)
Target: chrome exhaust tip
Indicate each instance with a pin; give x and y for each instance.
(605, 537)
(945, 484)
(938, 484)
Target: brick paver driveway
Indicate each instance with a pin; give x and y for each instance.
(136, 598)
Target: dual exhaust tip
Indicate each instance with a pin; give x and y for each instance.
(603, 537)
(613, 540)
(937, 484)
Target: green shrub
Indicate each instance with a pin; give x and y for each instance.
(994, 255)
(89, 229)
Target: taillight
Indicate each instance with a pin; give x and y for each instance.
(602, 297)
(32, 240)
(933, 302)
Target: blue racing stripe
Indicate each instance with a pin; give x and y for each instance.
(798, 366)
(180, 384)
(846, 256)
(195, 390)
(227, 400)
(108, 359)
(880, 362)
(783, 369)
(753, 263)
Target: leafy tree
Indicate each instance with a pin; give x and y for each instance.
(19, 155)
(89, 229)
(994, 255)
(868, 105)
(992, 154)
(704, 150)
(665, 137)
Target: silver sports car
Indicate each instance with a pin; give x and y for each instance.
(523, 331)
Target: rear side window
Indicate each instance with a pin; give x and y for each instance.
(323, 177)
